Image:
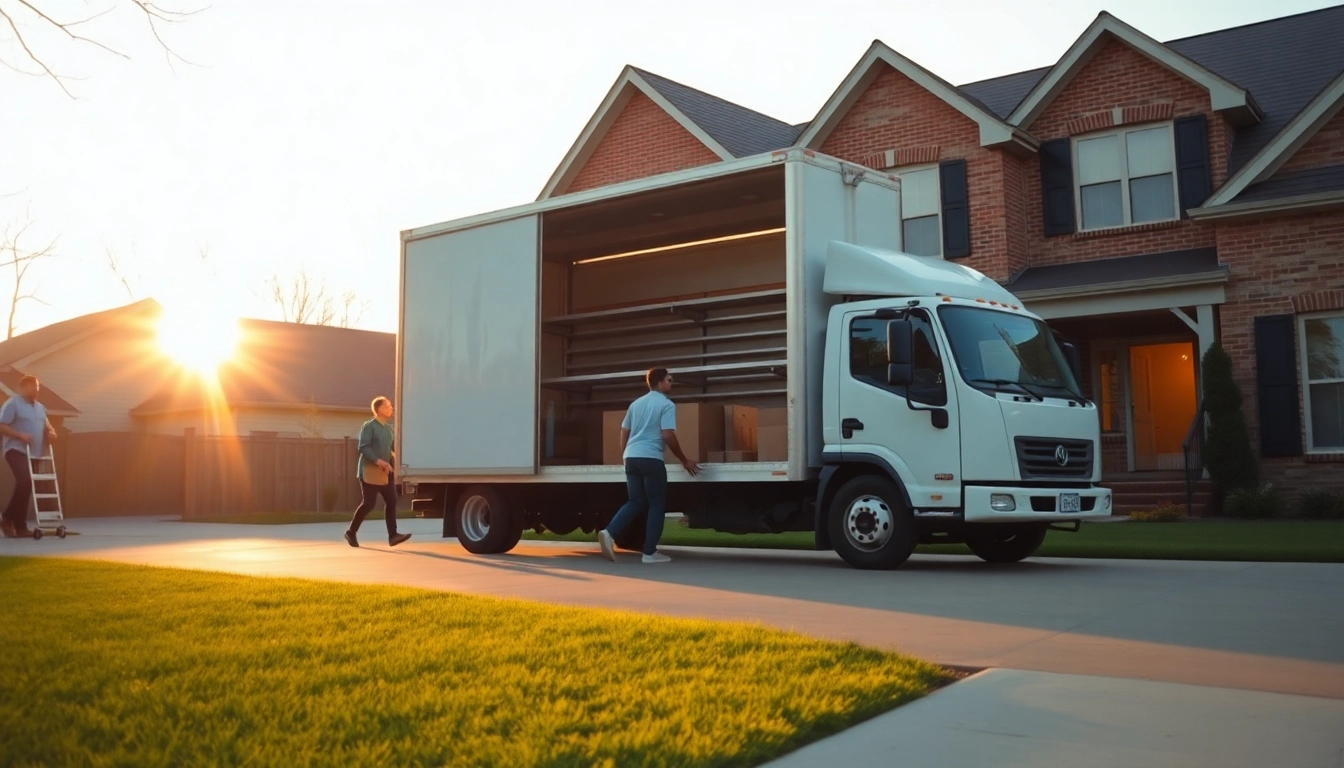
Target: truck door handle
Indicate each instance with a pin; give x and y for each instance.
(849, 426)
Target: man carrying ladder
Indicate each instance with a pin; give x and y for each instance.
(26, 432)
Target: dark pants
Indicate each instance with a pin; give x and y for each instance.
(646, 483)
(17, 511)
(371, 494)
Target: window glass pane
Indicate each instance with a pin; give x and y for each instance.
(1098, 160)
(868, 350)
(919, 193)
(1102, 206)
(868, 358)
(1149, 152)
(1152, 199)
(1325, 348)
(1327, 415)
(923, 237)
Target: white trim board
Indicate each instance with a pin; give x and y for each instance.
(1223, 95)
(1273, 155)
(1116, 303)
(993, 131)
(629, 83)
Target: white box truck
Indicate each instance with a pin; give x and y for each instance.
(896, 399)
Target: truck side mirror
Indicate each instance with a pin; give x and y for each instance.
(900, 359)
(1075, 361)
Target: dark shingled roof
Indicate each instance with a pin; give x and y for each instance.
(28, 344)
(284, 364)
(741, 131)
(1283, 63)
(1309, 182)
(1171, 264)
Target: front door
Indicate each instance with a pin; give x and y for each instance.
(1163, 398)
(877, 419)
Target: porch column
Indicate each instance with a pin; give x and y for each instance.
(1202, 325)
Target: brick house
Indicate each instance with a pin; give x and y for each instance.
(1146, 198)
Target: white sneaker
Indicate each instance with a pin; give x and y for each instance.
(657, 557)
(608, 546)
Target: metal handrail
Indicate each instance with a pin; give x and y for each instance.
(1192, 449)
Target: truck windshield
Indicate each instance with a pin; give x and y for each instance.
(999, 351)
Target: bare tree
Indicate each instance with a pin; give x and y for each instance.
(303, 299)
(19, 257)
(118, 271)
(18, 15)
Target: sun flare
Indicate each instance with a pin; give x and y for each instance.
(197, 339)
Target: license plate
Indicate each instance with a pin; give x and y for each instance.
(1069, 502)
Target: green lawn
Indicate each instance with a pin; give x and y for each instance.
(109, 664)
(295, 518)
(1268, 541)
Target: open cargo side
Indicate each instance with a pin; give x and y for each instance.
(526, 333)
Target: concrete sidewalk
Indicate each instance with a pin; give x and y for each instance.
(1012, 718)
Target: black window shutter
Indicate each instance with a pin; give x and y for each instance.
(1193, 179)
(956, 209)
(1276, 382)
(1057, 186)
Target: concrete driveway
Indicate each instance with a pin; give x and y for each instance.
(1259, 628)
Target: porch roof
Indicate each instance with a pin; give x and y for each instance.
(1170, 279)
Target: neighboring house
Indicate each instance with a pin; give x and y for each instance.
(286, 380)
(58, 410)
(105, 372)
(1147, 198)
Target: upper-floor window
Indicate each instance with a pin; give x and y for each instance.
(921, 227)
(1323, 380)
(1126, 177)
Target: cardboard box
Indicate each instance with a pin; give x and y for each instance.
(699, 430)
(772, 443)
(772, 417)
(731, 457)
(740, 428)
(611, 437)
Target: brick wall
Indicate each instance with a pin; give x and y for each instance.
(895, 113)
(1120, 77)
(643, 141)
(1279, 264)
(1326, 148)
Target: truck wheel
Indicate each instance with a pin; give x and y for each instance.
(1005, 543)
(486, 523)
(871, 528)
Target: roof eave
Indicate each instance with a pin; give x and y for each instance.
(1221, 275)
(1224, 96)
(1294, 204)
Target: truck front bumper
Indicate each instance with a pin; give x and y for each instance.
(1007, 504)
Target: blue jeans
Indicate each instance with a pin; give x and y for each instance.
(646, 483)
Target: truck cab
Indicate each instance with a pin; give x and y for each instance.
(951, 413)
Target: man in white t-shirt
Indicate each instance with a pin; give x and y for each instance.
(648, 429)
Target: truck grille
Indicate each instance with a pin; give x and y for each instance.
(1039, 458)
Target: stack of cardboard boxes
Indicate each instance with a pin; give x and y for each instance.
(714, 434)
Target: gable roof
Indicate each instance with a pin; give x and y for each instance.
(56, 405)
(741, 131)
(284, 364)
(1224, 95)
(1284, 63)
(994, 130)
(37, 344)
(631, 82)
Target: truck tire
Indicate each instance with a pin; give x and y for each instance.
(487, 524)
(1005, 543)
(870, 526)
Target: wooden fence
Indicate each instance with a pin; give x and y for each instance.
(120, 473)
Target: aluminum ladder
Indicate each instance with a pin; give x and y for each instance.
(46, 506)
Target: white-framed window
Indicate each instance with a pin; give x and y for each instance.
(1125, 177)
(1322, 353)
(921, 205)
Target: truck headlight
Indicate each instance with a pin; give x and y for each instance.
(1002, 502)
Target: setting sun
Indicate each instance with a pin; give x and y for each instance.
(198, 340)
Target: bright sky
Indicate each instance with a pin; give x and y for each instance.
(314, 131)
